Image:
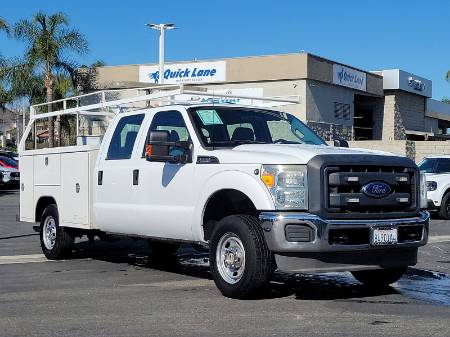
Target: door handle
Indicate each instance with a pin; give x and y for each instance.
(135, 177)
(100, 178)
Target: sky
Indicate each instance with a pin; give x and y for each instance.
(371, 35)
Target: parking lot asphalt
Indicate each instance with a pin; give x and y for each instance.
(119, 289)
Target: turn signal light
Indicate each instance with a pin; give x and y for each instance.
(148, 150)
(268, 179)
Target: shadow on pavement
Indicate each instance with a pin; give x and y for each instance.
(189, 262)
(4, 192)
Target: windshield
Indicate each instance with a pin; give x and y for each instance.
(428, 165)
(7, 161)
(230, 126)
(435, 165)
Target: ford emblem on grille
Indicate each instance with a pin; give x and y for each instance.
(376, 189)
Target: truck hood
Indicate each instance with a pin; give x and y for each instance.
(437, 176)
(283, 153)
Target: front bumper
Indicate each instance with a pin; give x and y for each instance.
(330, 235)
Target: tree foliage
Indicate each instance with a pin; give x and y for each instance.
(50, 44)
(4, 25)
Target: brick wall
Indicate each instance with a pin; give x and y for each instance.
(424, 148)
(398, 146)
(415, 150)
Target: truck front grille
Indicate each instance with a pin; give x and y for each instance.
(345, 184)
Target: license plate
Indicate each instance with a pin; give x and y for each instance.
(384, 236)
(16, 178)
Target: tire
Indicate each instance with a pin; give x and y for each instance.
(163, 249)
(56, 241)
(379, 278)
(444, 210)
(246, 271)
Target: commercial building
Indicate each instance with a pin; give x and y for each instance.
(377, 108)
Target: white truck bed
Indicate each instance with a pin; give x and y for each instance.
(65, 174)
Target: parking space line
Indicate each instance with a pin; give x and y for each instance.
(31, 258)
(438, 238)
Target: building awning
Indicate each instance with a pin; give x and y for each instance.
(437, 109)
(419, 133)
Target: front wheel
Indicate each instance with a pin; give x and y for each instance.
(56, 241)
(444, 210)
(240, 262)
(379, 278)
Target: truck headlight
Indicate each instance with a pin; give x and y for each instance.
(287, 185)
(423, 190)
(431, 186)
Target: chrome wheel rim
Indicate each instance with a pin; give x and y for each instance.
(230, 258)
(49, 233)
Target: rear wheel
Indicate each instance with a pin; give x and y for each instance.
(444, 210)
(240, 262)
(379, 278)
(56, 241)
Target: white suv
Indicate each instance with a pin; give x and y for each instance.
(437, 171)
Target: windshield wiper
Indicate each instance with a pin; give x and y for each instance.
(248, 142)
(236, 142)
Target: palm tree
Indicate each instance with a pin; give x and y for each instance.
(49, 41)
(3, 93)
(4, 25)
(20, 81)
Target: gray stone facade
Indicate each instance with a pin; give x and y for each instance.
(331, 132)
(405, 112)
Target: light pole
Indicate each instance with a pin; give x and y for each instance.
(161, 27)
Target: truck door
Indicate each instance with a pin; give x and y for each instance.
(166, 191)
(115, 196)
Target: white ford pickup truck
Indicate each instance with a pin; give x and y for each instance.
(256, 185)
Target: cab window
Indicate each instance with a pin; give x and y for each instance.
(173, 122)
(124, 137)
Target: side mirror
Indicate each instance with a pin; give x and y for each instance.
(340, 143)
(159, 148)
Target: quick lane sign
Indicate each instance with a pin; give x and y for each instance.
(349, 77)
(204, 72)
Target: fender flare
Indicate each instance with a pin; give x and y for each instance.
(240, 181)
(37, 204)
